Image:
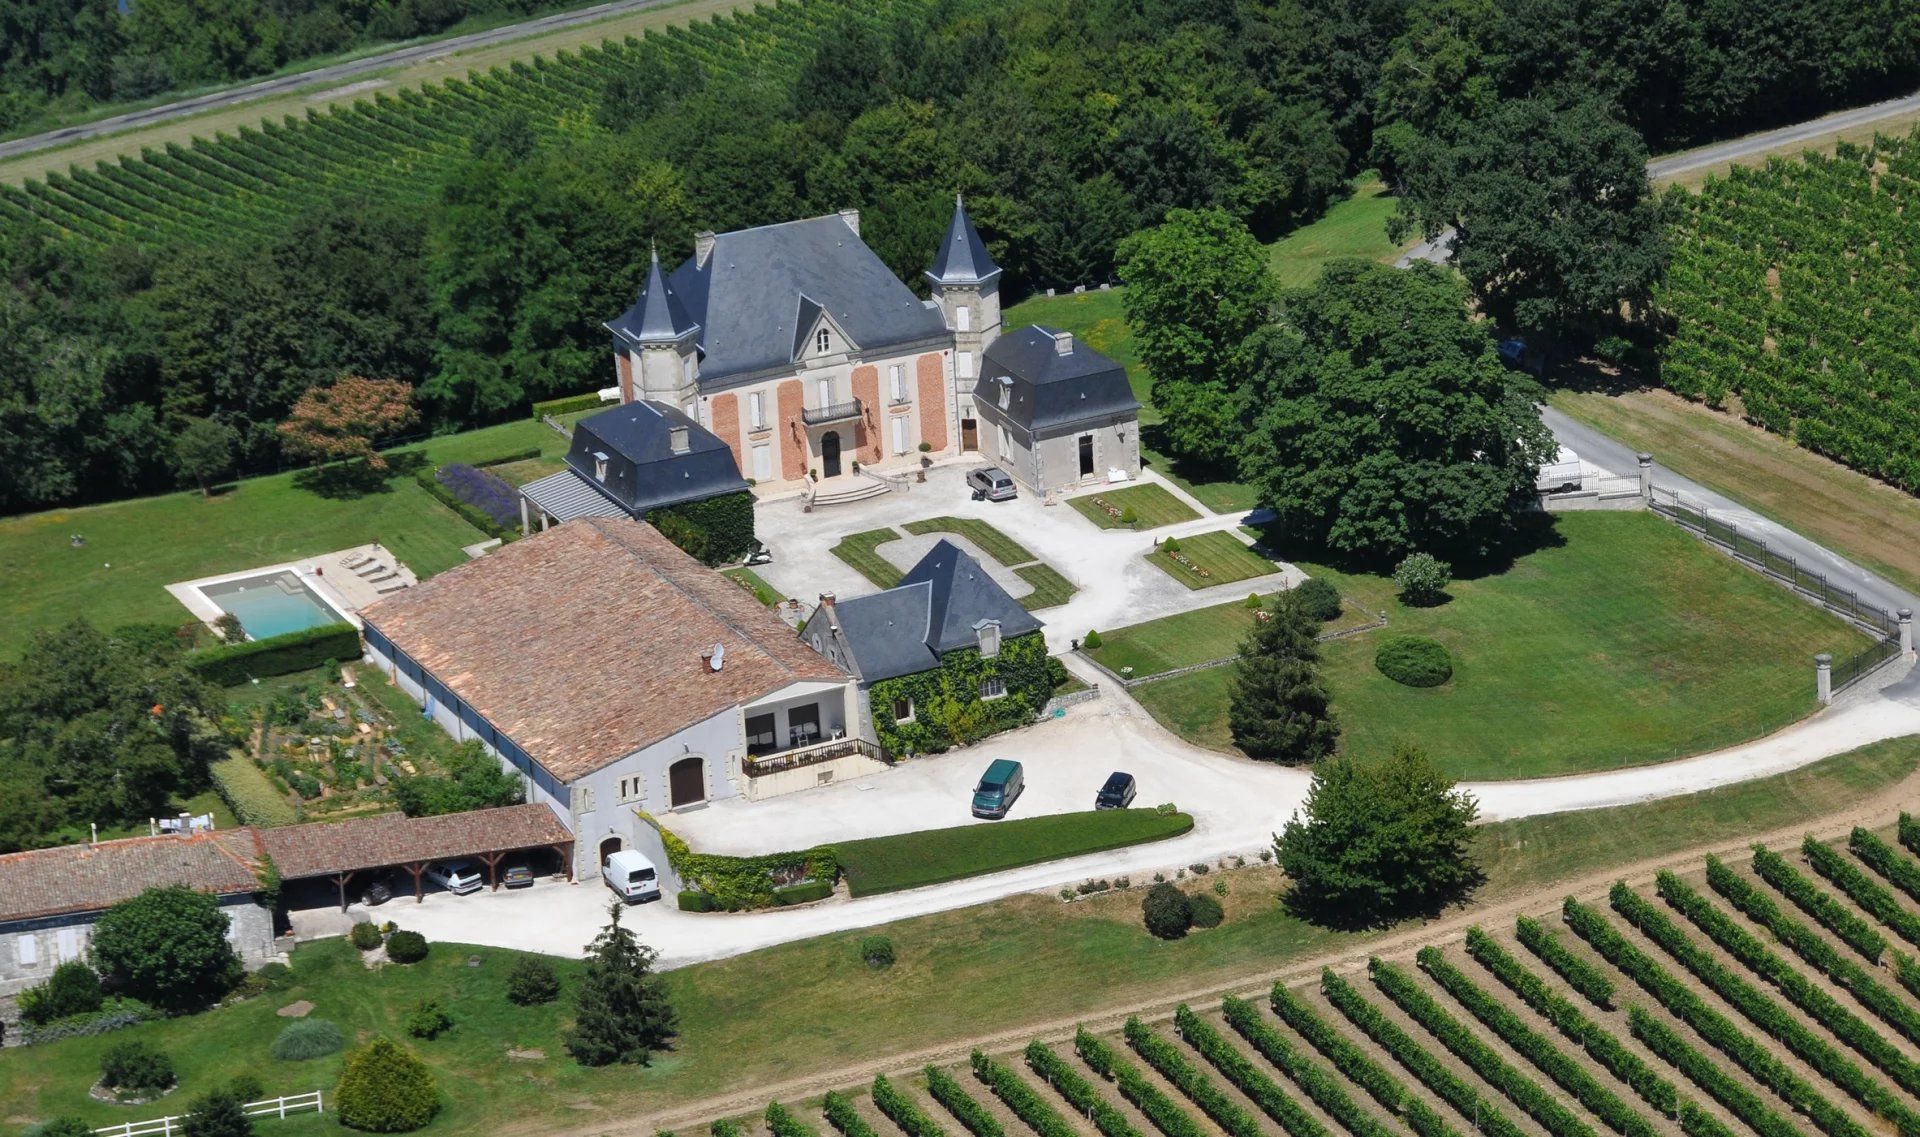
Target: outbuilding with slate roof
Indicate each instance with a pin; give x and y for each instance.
(1057, 413)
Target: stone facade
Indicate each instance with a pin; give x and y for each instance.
(31, 949)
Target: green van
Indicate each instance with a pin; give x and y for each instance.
(998, 787)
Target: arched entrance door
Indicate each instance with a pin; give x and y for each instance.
(608, 847)
(830, 454)
(687, 782)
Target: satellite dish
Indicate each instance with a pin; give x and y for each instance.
(719, 656)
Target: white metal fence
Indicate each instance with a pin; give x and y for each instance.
(167, 1126)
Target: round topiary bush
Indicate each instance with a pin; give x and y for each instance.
(877, 951)
(304, 1039)
(532, 982)
(1320, 599)
(385, 1088)
(1414, 660)
(1168, 911)
(136, 1068)
(406, 947)
(1091, 642)
(366, 937)
(1205, 910)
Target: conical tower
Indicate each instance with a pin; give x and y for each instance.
(655, 345)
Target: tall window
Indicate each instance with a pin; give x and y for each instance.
(900, 434)
(897, 381)
(757, 410)
(762, 463)
(822, 341)
(826, 391)
(963, 318)
(903, 710)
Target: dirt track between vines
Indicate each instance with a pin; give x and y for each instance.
(1879, 810)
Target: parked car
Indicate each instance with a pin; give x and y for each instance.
(998, 788)
(631, 876)
(518, 876)
(458, 877)
(1117, 793)
(991, 483)
(1561, 474)
(378, 891)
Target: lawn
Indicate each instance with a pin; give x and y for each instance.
(1172, 642)
(860, 550)
(984, 536)
(1625, 642)
(1050, 589)
(812, 1007)
(1355, 227)
(1211, 559)
(933, 856)
(134, 549)
(1152, 507)
(752, 581)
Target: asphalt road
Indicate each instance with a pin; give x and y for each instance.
(322, 76)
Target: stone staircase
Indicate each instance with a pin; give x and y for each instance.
(859, 491)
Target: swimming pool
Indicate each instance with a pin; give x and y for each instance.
(271, 604)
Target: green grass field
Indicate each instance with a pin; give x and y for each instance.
(1050, 589)
(812, 1007)
(1356, 227)
(1222, 555)
(984, 536)
(860, 551)
(1151, 504)
(762, 591)
(910, 860)
(1579, 657)
(134, 549)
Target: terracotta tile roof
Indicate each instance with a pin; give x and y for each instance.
(584, 643)
(324, 847)
(89, 878)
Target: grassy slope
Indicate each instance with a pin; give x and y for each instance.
(1868, 521)
(1356, 227)
(812, 1006)
(156, 541)
(909, 860)
(1629, 643)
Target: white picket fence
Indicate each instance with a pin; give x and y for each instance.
(167, 1126)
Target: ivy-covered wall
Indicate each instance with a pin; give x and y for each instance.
(716, 531)
(947, 708)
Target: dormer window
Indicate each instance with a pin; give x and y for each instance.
(989, 633)
(822, 341)
(599, 465)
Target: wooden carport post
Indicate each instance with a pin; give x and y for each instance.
(341, 879)
(565, 849)
(493, 868)
(419, 890)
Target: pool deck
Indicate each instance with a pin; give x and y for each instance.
(347, 580)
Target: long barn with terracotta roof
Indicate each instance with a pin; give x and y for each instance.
(620, 676)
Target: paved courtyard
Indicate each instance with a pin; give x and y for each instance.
(1116, 585)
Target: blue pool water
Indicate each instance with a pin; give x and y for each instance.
(271, 605)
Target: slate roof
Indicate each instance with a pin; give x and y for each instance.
(963, 257)
(657, 316)
(325, 847)
(583, 643)
(936, 608)
(91, 878)
(1046, 389)
(747, 296)
(643, 472)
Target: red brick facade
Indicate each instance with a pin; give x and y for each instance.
(866, 388)
(793, 436)
(726, 425)
(933, 400)
(624, 364)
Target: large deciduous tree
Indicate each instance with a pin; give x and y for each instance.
(1381, 422)
(345, 419)
(1279, 708)
(168, 947)
(1376, 841)
(1197, 289)
(1557, 229)
(621, 1012)
(203, 452)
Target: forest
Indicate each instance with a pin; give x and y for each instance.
(470, 239)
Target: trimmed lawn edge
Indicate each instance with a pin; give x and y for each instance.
(1207, 551)
(984, 535)
(936, 856)
(1152, 504)
(861, 553)
(1050, 589)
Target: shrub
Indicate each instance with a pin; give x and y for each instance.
(406, 947)
(692, 901)
(532, 982)
(385, 1088)
(806, 892)
(305, 1039)
(59, 1127)
(231, 664)
(1320, 598)
(1414, 661)
(247, 1088)
(221, 1113)
(1422, 579)
(274, 976)
(567, 405)
(877, 952)
(1092, 642)
(366, 936)
(72, 989)
(1168, 911)
(168, 947)
(136, 1067)
(114, 1014)
(1205, 911)
(1170, 545)
(1128, 517)
(429, 1020)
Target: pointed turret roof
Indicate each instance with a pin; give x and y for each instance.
(963, 255)
(657, 316)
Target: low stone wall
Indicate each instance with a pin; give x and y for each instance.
(762, 786)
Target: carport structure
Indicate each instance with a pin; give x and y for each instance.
(338, 850)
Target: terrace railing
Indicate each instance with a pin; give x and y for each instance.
(811, 756)
(832, 412)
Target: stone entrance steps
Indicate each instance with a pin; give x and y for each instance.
(871, 489)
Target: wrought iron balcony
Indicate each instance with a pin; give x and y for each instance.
(811, 755)
(832, 412)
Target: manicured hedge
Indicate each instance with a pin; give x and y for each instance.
(1569, 1020)
(1234, 1066)
(968, 1112)
(1842, 921)
(782, 1123)
(692, 900)
(568, 405)
(232, 664)
(842, 1116)
(1579, 974)
(1414, 661)
(724, 525)
(1705, 1073)
(805, 892)
(1354, 1063)
(526, 455)
(1020, 1098)
(1430, 1071)
(1079, 1093)
(1482, 1059)
(1862, 889)
(901, 1110)
(874, 865)
(1163, 1111)
(1320, 1084)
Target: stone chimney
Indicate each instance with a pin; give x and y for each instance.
(1063, 343)
(702, 246)
(677, 439)
(826, 600)
(852, 218)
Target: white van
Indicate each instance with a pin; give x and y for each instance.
(631, 876)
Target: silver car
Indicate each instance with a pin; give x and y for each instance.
(993, 484)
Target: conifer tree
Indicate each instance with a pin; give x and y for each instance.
(1279, 709)
(621, 1013)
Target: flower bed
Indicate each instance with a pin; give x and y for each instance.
(489, 493)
